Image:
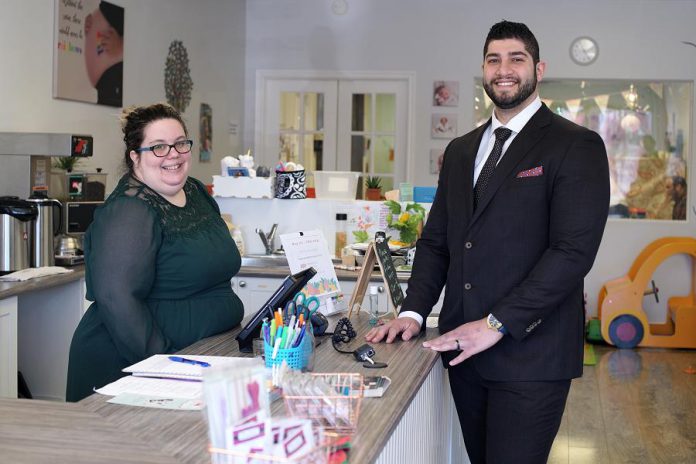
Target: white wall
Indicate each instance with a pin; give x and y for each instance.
(213, 31)
(443, 40)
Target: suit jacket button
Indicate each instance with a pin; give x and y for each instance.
(467, 286)
(468, 245)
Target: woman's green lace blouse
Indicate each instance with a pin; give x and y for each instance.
(159, 276)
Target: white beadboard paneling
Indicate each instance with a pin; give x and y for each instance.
(429, 431)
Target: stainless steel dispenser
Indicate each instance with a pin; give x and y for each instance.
(16, 220)
(47, 225)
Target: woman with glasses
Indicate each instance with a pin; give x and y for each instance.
(158, 257)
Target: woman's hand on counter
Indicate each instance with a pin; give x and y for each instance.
(468, 339)
(406, 326)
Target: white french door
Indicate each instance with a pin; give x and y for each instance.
(372, 122)
(300, 122)
(331, 123)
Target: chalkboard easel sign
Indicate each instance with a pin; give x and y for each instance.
(378, 250)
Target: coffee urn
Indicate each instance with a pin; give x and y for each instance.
(48, 225)
(16, 221)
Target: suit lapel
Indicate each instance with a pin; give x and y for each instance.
(518, 149)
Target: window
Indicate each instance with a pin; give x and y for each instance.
(645, 126)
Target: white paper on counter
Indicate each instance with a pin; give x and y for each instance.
(308, 248)
(150, 386)
(159, 402)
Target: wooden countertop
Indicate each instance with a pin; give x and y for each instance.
(184, 434)
(8, 289)
(283, 271)
(33, 431)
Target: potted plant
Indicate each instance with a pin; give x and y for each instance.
(407, 221)
(373, 188)
(66, 163)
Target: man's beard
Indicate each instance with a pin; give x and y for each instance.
(509, 101)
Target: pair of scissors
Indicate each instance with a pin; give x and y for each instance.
(289, 311)
(305, 305)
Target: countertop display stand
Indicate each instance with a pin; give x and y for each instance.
(377, 250)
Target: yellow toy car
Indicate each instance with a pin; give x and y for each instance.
(624, 322)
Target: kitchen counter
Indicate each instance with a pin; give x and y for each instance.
(418, 402)
(37, 320)
(33, 431)
(8, 289)
(417, 398)
(283, 271)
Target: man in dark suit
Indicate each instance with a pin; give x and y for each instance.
(515, 226)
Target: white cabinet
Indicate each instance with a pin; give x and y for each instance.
(8, 347)
(46, 321)
(254, 291)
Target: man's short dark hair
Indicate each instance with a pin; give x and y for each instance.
(509, 30)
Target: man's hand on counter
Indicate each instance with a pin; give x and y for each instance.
(469, 339)
(406, 326)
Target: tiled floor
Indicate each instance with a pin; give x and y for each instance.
(634, 406)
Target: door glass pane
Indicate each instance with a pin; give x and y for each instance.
(313, 152)
(290, 147)
(384, 154)
(361, 115)
(385, 112)
(387, 183)
(314, 111)
(360, 153)
(289, 111)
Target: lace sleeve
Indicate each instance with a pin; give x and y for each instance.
(121, 266)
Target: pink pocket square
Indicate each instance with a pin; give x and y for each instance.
(534, 172)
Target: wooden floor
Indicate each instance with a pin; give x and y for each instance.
(634, 406)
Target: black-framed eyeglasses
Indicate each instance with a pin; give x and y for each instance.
(161, 150)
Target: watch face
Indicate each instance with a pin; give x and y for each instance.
(493, 323)
(584, 50)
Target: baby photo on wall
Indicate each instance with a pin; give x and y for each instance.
(445, 93)
(443, 126)
(436, 155)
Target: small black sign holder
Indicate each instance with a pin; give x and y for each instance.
(378, 250)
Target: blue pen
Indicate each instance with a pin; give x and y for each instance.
(299, 337)
(179, 359)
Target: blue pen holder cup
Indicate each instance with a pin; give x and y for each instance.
(301, 357)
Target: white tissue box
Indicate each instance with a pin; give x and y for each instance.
(243, 187)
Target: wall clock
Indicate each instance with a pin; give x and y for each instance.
(584, 50)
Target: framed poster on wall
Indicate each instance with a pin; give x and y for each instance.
(88, 52)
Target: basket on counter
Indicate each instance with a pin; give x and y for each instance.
(336, 413)
(300, 357)
(318, 455)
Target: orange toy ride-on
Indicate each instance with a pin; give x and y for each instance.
(625, 324)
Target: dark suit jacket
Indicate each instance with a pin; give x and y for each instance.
(525, 251)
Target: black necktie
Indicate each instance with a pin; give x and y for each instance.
(501, 135)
